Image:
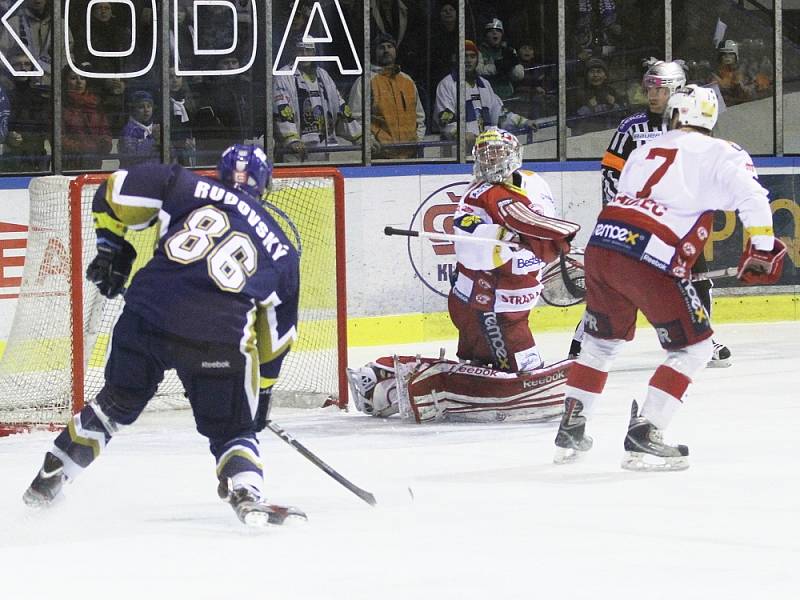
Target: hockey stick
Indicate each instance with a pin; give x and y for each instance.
(729, 272)
(448, 237)
(363, 494)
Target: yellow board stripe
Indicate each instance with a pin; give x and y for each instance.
(411, 328)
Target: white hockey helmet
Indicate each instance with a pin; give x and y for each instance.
(497, 155)
(695, 106)
(373, 394)
(670, 75)
(729, 47)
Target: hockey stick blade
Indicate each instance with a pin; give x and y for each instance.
(321, 464)
(729, 272)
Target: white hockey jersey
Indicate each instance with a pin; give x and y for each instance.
(668, 192)
(516, 271)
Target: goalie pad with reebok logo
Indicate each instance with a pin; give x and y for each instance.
(522, 219)
(460, 392)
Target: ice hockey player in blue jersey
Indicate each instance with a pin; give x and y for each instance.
(217, 302)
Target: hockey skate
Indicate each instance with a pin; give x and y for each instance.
(721, 357)
(571, 441)
(574, 349)
(47, 484)
(645, 449)
(254, 512)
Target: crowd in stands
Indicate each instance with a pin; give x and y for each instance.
(510, 69)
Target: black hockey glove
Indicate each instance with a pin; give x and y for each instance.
(264, 406)
(110, 268)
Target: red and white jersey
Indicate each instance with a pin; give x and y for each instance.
(663, 211)
(514, 274)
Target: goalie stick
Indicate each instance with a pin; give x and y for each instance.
(449, 237)
(318, 462)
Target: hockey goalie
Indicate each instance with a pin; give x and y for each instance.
(424, 390)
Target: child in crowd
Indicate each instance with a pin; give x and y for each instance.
(139, 140)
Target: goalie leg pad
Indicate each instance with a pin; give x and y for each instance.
(464, 392)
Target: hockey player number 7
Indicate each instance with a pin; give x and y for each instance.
(229, 263)
(668, 154)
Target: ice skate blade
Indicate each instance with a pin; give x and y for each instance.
(35, 499)
(719, 364)
(274, 518)
(641, 461)
(565, 456)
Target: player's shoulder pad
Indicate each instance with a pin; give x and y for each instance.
(628, 122)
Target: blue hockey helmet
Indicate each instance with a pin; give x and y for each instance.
(245, 167)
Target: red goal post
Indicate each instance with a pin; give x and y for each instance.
(56, 348)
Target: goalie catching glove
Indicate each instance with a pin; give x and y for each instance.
(761, 267)
(111, 267)
(547, 237)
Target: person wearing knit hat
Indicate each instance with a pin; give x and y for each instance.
(484, 108)
(397, 115)
(596, 101)
(499, 62)
(139, 139)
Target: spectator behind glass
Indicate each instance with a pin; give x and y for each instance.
(226, 113)
(757, 66)
(535, 95)
(396, 112)
(216, 32)
(111, 93)
(484, 108)
(498, 62)
(308, 109)
(596, 104)
(108, 34)
(444, 40)
(140, 138)
(31, 122)
(597, 27)
(33, 25)
(731, 79)
(182, 143)
(86, 136)
(396, 19)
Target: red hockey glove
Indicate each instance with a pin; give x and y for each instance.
(761, 267)
(546, 250)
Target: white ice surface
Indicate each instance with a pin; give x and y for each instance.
(492, 517)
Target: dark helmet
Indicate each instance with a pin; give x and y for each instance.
(245, 167)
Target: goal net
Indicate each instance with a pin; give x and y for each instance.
(56, 350)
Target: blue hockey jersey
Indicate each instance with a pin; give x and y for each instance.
(223, 270)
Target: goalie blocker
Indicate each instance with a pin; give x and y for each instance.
(547, 237)
(423, 390)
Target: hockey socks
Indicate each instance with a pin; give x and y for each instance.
(83, 439)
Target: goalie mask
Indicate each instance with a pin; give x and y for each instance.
(670, 75)
(246, 168)
(497, 155)
(694, 106)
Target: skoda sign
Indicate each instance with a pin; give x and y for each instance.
(436, 263)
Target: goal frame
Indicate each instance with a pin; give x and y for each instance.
(76, 275)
